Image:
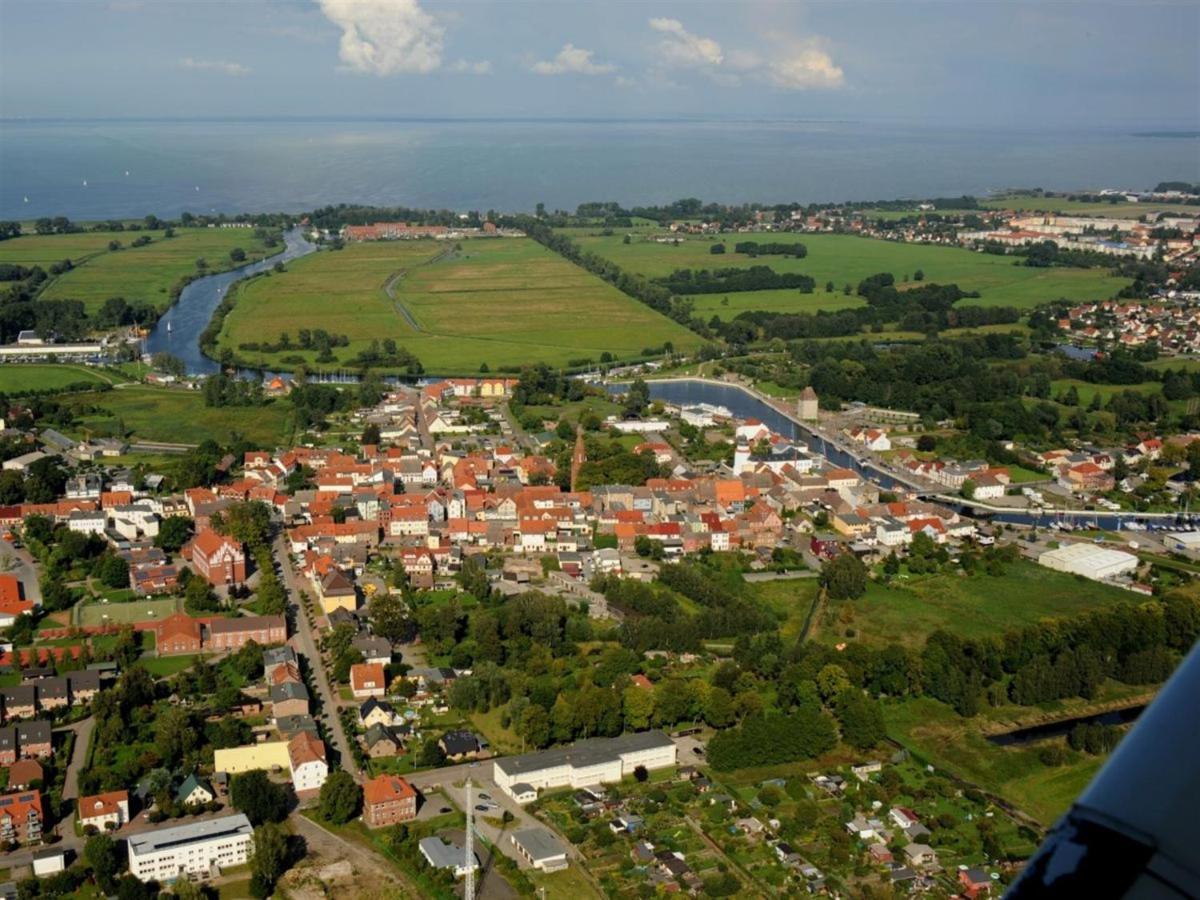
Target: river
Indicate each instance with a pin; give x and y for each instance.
(747, 405)
(1063, 727)
(178, 331)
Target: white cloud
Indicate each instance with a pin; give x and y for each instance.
(795, 66)
(572, 60)
(214, 65)
(805, 68)
(682, 48)
(384, 37)
(468, 67)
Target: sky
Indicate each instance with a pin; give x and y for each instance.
(977, 62)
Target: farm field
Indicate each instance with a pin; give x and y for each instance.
(504, 303)
(178, 416)
(846, 259)
(910, 609)
(147, 274)
(18, 377)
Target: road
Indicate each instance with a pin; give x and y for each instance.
(83, 736)
(305, 643)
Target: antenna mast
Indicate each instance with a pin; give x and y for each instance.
(469, 885)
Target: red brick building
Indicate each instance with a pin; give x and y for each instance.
(233, 634)
(177, 634)
(388, 799)
(219, 559)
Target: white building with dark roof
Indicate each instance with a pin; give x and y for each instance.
(197, 849)
(594, 761)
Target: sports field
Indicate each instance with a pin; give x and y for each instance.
(18, 377)
(501, 302)
(178, 416)
(139, 274)
(846, 259)
(122, 613)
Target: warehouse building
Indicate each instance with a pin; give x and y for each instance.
(540, 849)
(1090, 561)
(196, 850)
(594, 761)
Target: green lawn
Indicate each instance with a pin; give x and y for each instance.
(790, 598)
(846, 259)
(120, 613)
(909, 609)
(18, 377)
(180, 416)
(165, 666)
(947, 740)
(139, 274)
(500, 302)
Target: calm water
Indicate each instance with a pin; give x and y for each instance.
(511, 165)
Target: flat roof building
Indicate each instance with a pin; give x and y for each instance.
(197, 849)
(593, 761)
(540, 849)
(1090, 561)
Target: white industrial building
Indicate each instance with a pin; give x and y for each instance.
(1183, 542)
(1089, 560)
(197, 849)
(594, 761)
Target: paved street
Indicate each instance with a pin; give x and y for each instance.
(83, 736)
(304, 641)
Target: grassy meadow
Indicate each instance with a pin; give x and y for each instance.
(177, 416)
(847, 259)
(500, 302)
(16, 378)
(911, 608)
(139, 274)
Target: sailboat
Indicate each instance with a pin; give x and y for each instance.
(85, 182)
(168, 326)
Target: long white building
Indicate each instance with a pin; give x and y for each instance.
(594, 761)
(198, 849)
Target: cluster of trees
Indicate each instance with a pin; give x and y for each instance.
(314, 403)
(307, 339)
(539, 385)
(609, 462)
(1065, 658)
(386, 353)
(718, 281)
(223, 390)
(753, 248)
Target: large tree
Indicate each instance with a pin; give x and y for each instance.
(258, 797)
(269, 859)
(844, 577)
(340, 798)
(389, 617)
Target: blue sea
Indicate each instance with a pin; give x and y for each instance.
(132, 168)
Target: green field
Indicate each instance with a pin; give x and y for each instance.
(1087, 390)
(139, 274)
(121, 613)
(846, 259)
(18, 377)
(500, 302)
(909, 609)
(949, 741)
(178, 416)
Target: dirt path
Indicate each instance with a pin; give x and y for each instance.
(389, 288)
(329, 847)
